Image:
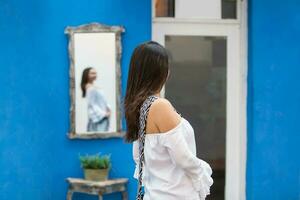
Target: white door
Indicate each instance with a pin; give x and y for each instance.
(207, 85)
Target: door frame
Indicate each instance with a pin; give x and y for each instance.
(236, 90)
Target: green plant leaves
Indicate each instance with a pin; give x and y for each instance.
(96, 161)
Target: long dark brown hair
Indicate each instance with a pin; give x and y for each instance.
(148, 72)
(85, 80)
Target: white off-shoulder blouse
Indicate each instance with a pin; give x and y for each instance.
(172, 171)
(97, 104)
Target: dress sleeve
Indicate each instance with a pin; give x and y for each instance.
(95, 112)
(103, 99)
(197, 169)
(135, 154)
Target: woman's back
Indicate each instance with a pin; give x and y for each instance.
(171, 170)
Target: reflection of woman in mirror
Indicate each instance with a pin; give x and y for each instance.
(98, 108)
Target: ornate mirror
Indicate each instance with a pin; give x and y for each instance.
(95, 81)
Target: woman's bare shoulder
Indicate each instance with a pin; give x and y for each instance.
(164, 115)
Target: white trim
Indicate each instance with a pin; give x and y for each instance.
(244, 93)
(239, 10)
(153, 8)
(236, 32)
(241, 4)
(186, 20)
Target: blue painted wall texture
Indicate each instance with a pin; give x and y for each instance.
(274, 100)
(35, 154)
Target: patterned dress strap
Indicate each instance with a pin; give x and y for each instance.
(142, 129)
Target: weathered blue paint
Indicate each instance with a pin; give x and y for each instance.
(273, 165)
(35, 154)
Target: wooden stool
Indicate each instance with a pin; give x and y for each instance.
(97, 187)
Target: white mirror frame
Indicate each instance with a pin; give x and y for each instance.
(94, 28)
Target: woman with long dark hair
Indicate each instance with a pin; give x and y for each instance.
(164, 147)
(97, 107)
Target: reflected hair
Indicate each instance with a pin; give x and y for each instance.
(148, 72)
(85, 80)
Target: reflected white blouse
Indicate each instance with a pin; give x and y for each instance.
(172, 171)
(97, 104)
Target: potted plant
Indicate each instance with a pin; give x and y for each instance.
(96, 167)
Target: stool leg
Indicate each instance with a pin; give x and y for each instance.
(69, 195)
(124, 195)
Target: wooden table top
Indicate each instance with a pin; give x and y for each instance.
(80, 181)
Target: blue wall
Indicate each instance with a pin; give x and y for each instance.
(273, 165)
(35, 154)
